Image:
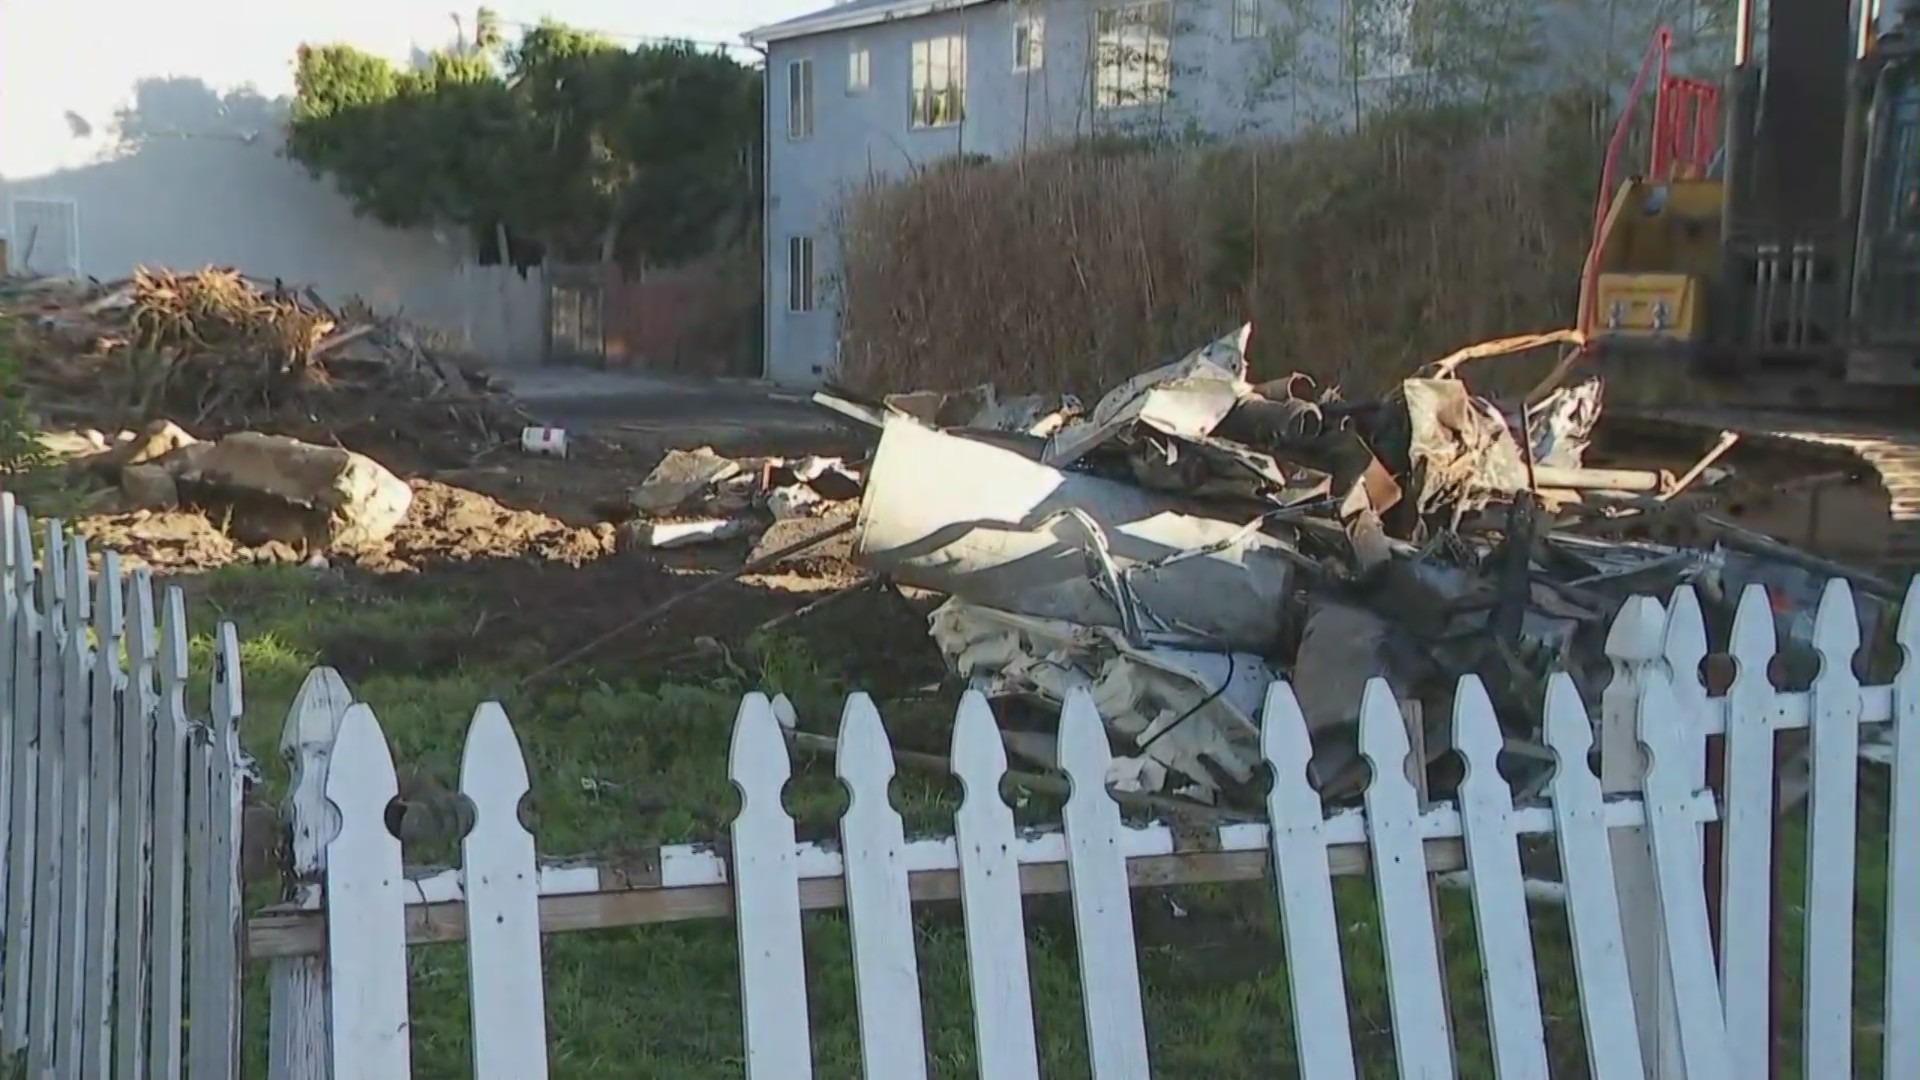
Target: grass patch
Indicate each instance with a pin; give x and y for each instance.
(639, 761)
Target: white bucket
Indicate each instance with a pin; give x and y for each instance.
(544, 440)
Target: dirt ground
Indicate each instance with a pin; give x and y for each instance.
(534, 545)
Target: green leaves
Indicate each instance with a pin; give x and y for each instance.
(586, 150)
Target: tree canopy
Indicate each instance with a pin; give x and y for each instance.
(563, 142)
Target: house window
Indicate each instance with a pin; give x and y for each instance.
(939, 81)
(799, 274)
(1247, 20)
(1383, 37)
(799, 99)
(859, 68)
(1133, 54)
(1029, 41)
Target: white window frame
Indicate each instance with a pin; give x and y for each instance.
(1029, 40)
(800, 99)
(1249, 19)
(1133, 55)
(925, 88)
(800, 275)
(859, 68)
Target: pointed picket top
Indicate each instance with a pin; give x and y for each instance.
(1083, 750)
(109, 619)
(1836, 629)
(979, 758)
(228, 702)
(1746, 961)
(1420, 1023)
(493, 770)
(1902, 1050)
(1593, 907)
(766, 899)
(140, 634)
(1753, 642)
(307, 741)
(1476, 734)
(79, 596)
(174, 654)
(1684, 641)
(507, 1001)
(863, 758)
(1833, 715)
(1304, 890)
(757, 761)
(886, 975)
(1507, 967)
(366, 890)
(1637, 631)
(1004, 1037)
(7, 555)
(23, 569)
(53, 575)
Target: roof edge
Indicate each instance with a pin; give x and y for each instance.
(831, 19)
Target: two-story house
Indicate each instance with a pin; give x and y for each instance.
(867, 89)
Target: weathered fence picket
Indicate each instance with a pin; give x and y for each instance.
(1630, 860)
(94, 775)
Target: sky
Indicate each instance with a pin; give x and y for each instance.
(66, 67)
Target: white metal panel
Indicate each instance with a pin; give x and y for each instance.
(1304, 887)
(766, 905)
(1102, 902)
(1422, 1041)
(1832, 819)
(990, 900)
(886, 976)
(172, 740)
(1690, 982)
(1499, 900)
(1901, 1009)
(103, 857)
(1746, 919)
(506, 999)
(139, 708)
(366, 889)
(1614, 1046)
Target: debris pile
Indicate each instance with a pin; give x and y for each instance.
(697, 496)
(1195, 536)
(216, 350)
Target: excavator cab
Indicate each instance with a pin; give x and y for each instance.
(1773, 245)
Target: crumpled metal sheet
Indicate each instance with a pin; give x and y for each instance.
(1186, 398)
(1196, 713)
(977, 521)
(1459, 446)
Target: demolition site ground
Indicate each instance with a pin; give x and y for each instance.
(544, 582)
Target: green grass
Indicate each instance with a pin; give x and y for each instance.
(619, 764)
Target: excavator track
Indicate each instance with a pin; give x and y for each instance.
(1887, 453)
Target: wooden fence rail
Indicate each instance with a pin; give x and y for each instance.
(1653, 1000)
(119, 823)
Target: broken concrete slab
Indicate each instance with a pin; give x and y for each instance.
(680, 478)
(345, 500)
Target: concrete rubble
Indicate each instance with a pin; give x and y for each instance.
(1195, 536)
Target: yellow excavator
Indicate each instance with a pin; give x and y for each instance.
(1770, 253)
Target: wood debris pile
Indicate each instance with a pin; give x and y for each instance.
(216, 350)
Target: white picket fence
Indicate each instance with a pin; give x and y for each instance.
(1631, 862)
(119, 823)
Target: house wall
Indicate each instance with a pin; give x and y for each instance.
(164, 134)
(1280, 82)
